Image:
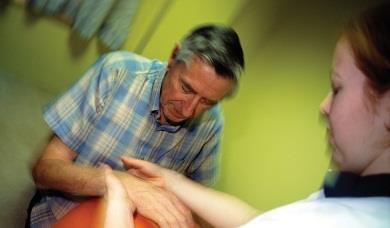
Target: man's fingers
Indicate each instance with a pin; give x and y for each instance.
(160, 218)
(174, 212)
(154, 202)
(182, 213)
(157, 205)
(185, 212)
(153, 209)
(166, 216)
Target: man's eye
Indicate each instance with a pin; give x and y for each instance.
(207, 102)
(185, 88)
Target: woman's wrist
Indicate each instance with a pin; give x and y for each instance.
(171, 179)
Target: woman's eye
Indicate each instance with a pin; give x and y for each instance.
(335, 91)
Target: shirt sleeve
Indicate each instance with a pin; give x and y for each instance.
(205, 168)
(72, 115)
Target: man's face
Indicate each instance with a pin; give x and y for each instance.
(190, 89)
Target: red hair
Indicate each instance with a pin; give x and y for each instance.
(369, 38)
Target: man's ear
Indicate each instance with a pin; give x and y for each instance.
(173, 54)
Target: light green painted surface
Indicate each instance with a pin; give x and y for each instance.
(185, 15)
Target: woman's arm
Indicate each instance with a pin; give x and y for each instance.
(217, 208)
(117, 205)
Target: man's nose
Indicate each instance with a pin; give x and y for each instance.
(190, 105)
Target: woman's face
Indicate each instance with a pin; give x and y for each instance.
(357, 132)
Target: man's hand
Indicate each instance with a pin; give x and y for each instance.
(155, 203)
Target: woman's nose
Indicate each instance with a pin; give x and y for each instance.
(326, 104)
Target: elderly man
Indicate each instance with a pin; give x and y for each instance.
(128, 105)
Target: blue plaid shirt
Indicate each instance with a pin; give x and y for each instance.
(113, 111)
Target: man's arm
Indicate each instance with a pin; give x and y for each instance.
(55, 170)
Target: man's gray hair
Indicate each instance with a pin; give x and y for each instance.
(217, 45)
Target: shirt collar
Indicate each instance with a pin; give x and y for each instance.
(156, 90)
(345, 184)
(155, 104)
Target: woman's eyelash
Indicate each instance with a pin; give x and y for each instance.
(335, 90)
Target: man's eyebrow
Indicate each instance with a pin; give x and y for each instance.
(189, 87)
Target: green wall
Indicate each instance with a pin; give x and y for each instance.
(274, 148)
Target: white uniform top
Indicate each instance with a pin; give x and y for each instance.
(318, 211)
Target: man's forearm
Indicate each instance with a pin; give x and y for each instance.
(79, 180)
(68, 177)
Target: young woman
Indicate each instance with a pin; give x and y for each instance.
(358, 115)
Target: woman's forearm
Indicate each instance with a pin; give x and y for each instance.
(217, 208)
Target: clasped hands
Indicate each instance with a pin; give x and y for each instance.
(146, 190)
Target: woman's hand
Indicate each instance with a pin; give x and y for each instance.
(119, 208)
(152, 194)
(148, 171)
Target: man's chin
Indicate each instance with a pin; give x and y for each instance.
(172, 119)
(175, 122)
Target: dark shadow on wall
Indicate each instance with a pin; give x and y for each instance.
(78, 44)
(268, 19)
(153, 27)
(3, 5)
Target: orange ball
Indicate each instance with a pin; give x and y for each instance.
(90, 214)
